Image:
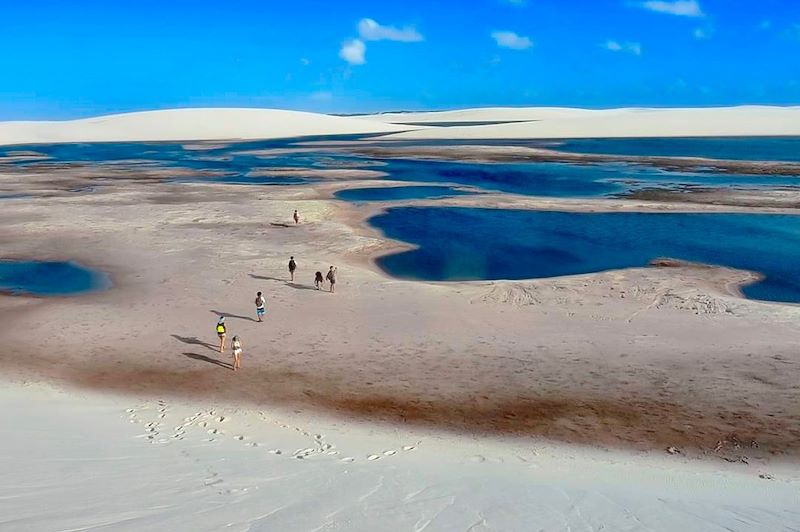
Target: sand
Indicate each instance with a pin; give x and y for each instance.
(576, 123)
(648, 398)
(190, 124)
(520, 123)
(162, 464)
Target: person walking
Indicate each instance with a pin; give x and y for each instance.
(236, 345)
(261, 306)
(292, 267)
(296, 217)
(318, 280)
(221, 332)
(331, 277)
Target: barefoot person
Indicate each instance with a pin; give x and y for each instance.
(318, 280)
(296, 217)
(236, 345)
(261, 306)
(221, 332)
(331, 277)
(292, 267)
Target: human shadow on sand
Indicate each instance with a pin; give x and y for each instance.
(210, 360)
(194, 340)
(229, 315)
(290, 284)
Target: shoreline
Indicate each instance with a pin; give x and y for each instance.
(531, 413)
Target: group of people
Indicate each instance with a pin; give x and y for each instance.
(261, 306)
(319, 281)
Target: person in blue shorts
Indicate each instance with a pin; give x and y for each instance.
(261, 306)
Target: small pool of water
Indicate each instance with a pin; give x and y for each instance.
(569, 180)
(474, 244)
(50, 278)
(398, 193)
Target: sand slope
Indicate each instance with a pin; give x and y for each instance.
(165, 465)
(521, 123)
(579, 123)
(190, 124)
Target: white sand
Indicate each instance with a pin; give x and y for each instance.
(189, 124)
(96, 462)
(542, 123)
(575, 123)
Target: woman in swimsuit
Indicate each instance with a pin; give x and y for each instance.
(236, 345)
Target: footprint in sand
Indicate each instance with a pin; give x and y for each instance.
(131, 410)
(240, 438)
(409, 447)
(203, 424)
(348, 459)
(222, 419)
(373, 457)
(389, 453)
(213, 431)
(275, 451)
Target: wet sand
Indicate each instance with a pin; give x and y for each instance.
(642, 358)
(521, 154)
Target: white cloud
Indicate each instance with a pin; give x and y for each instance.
(304, 61)
(518, 3)
(685, 8)
(369, 30)
(630, 47)
(509, 39)
(765, 24)
(353, 51)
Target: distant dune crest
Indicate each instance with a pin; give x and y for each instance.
(487, 123)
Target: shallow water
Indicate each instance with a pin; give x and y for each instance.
(50, 278)
(735, 148)
(398, 193)
(472, 244)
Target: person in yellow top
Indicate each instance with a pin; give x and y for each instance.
(221, 332)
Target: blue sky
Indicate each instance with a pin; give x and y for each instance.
(73, 59)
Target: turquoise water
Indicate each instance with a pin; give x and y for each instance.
(49, 278)
(472, 244)
(398, 193)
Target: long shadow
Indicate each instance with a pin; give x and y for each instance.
(300, 286)
(265, 278)
(228, 315)
(193, 340)
(210, 360)
(291, 284)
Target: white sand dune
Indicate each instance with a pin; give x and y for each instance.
(482, 114)
(550, 123)
(162, 465)
(522, 123)
(190, 124)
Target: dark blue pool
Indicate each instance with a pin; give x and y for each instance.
(49, 278)
(472, 244)
(398, 193)
(736, 148)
